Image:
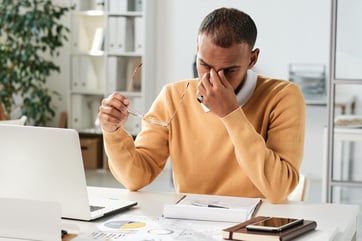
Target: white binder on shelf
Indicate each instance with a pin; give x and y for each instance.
(75, 73)
(75, 34)
(88, 78)
(82, 118)
(112, 35)
(84, 76)
(77, 112)
(114, 69)
(99, 69)
(138, 34)
(117, 37)
(117, 6)
(127, 36)
(138, 5)
(111, 74)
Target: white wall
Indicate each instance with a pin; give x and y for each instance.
(289, 31)
(60, 81)
(349, 57)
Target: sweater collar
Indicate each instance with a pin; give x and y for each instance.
(246, 91)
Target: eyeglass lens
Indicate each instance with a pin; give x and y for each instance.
(150, 119)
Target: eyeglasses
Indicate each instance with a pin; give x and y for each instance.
(150, 119)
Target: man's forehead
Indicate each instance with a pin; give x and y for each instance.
(207, 47)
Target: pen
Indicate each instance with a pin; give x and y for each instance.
(208, 205)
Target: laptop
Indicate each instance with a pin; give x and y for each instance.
(45, 163)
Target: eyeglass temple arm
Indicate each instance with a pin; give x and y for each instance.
(151, 120)
(135, 113)
(132, 78)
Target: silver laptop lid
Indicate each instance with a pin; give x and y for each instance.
(43, 163)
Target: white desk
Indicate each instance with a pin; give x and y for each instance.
(335, 222)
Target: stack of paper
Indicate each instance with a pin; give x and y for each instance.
(212, 208)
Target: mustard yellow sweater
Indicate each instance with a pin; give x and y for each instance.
(255, 151)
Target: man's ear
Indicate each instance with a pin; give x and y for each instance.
(254, 57)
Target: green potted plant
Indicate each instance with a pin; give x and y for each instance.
(31, 37)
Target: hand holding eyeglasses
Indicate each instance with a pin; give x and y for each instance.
(113, 112)
(115, 109)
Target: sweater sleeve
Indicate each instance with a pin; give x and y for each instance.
(136, 163)
(271, 162)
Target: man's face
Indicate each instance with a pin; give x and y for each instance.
(234, 61)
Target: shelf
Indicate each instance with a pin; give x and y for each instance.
(347, 81)
(126, 14)
(91, 13)
(348, 134)
(342, 178)
(87, 92)
(89, 53)
(346, 183)
(320, 100)
(108, 42)
(125, 54)
(311, 78)
(131, 93)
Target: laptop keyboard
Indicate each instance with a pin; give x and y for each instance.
(94, 208)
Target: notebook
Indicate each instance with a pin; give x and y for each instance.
(212, 208)
(240, 232)
(44, 163)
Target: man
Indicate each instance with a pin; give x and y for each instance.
(245, 138)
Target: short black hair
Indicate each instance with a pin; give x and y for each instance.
(228, 26)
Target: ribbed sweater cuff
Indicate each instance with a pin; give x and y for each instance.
(119, 136)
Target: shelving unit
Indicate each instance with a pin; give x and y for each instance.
(87, 80)
(109, 39)
(311, 78)
(342, 182)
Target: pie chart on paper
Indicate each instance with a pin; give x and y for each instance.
(124, 225)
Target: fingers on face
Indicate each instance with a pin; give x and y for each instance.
(211, 81)
(224, 81)
(201, 86)
(216, 79)
(221, 77)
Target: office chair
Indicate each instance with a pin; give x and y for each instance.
(301, 190)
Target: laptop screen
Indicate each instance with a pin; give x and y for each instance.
(43, 163)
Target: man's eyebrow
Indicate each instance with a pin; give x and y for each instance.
(226, 68)
(231, 67)
(203, 62)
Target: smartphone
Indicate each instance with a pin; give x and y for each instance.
(274, 224)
